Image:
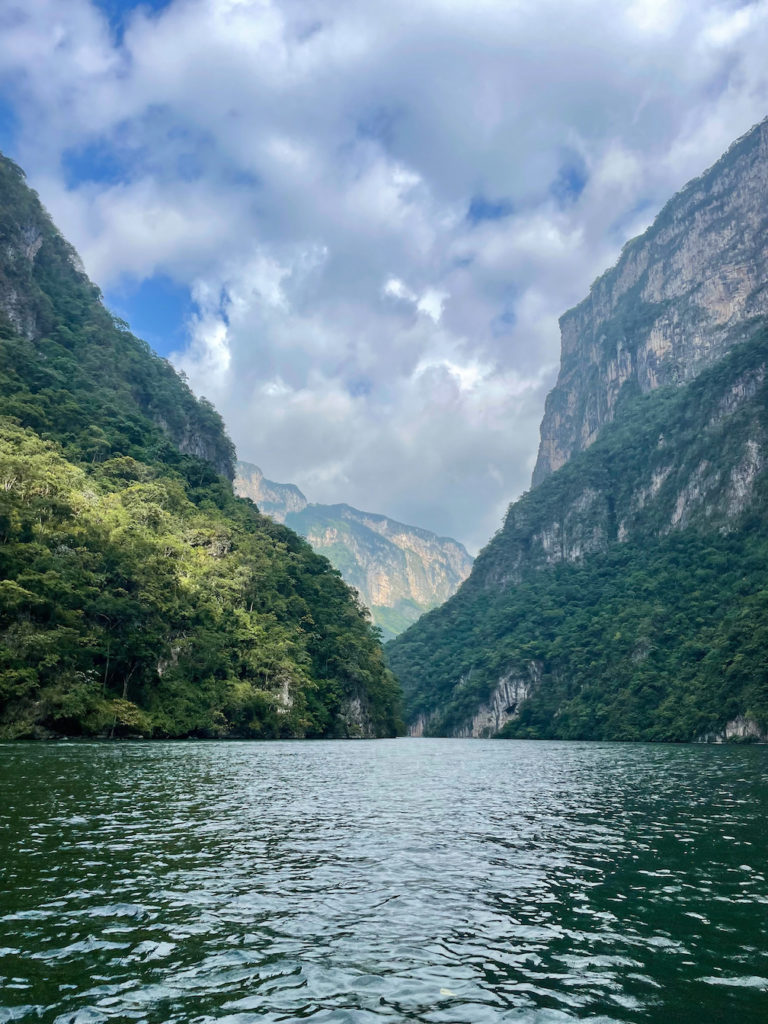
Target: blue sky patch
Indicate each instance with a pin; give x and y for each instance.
(359, 386)
(156, 309)
(505, 322)
(379, 125)
(95, 161)
(482, 208)
(118, 11)
(570, 181)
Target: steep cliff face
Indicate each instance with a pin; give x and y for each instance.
(501, 707)
(275, 500)
(679, 297)
(399, 571)
(20, 248)
(689, 457)
(635, 576)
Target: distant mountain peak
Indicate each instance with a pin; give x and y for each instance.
(400, 571)
(275, 500)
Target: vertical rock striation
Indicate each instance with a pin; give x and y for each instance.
(680, 296)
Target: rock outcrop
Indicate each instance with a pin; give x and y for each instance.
(503, 705)
(275, 500)
(680, 296)
(739, 730)
(19, 251)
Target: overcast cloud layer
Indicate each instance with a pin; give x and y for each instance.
(380, 209)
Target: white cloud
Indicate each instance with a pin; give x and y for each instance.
(431, 303)
(308, 171)
(398, 290)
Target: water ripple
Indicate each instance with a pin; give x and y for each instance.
(417, 880)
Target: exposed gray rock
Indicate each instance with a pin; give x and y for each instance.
(355, 719)
(743, 477)
(503, 705)
(741, 728)
(679, 297)
(14, 300)
(420, 726)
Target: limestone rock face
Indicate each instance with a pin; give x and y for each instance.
(502, 706)
(19, 253)
(275, 500)
(740, 729)
(399, 571)
(504, 703)
(680, 296)
(192, 438)
(674, 485)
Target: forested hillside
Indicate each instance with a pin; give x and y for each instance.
(662, 636)
(138, 595)
(626, 596)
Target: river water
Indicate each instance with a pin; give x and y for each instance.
(409, 880)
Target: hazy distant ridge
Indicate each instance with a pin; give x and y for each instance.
(400, 571)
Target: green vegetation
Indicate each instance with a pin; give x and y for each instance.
(138, 596)
(663, 636)
(393, 621)
(411, 569)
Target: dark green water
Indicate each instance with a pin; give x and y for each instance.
(409, 880)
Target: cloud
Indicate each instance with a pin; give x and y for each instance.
(430, 302)
(378, 210)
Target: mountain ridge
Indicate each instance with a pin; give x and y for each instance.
(399, 570)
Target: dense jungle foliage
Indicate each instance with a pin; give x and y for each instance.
(138, 596)
(660, 634)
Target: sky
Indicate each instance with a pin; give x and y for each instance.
(354, 225)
